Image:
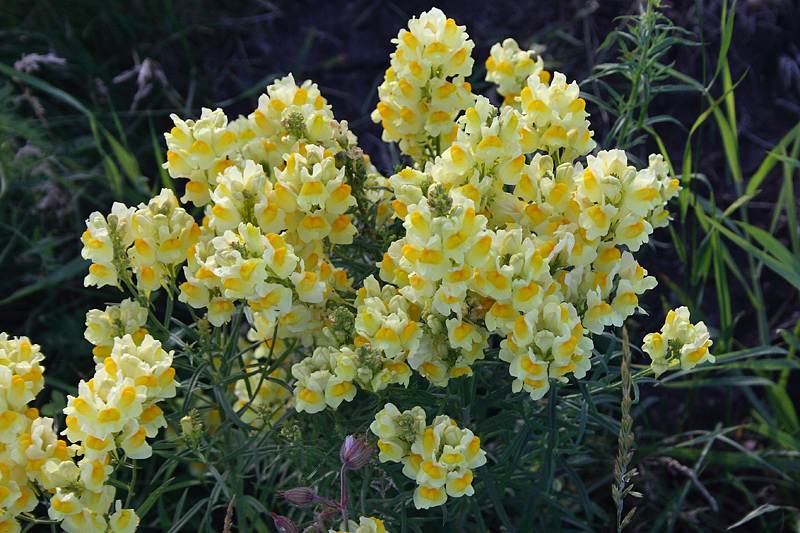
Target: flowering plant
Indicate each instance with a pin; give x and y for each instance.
(314, 285)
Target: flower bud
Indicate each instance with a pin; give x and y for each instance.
(355, 452)
(299, 496)
(191, 428)
(283, 524)
(439, 201)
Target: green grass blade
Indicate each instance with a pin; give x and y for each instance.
(792, 275)
(771, 160)
(773, 246)
(763, 509)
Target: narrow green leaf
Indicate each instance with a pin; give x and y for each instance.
(765, 508)
(126, 160)
(789, 274)
(771, 160)
(728, 381)
(494, 496)
(773, 246)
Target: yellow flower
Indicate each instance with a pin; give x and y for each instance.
(198, 150)
(558, 114)
(102, 327)
(509, 68)
(123, 520)
(679, 342)
(418, 100)
(317, 384)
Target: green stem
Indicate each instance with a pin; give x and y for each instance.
(132, 484)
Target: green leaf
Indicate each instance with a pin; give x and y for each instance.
(771, 160)
(728, 381)
(765, 508)
(790, 274)
(773, 246)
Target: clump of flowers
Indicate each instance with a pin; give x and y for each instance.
(678, 343)
(439, 457)
(149, 242)
(504, 230)
(116, 321)
(509, 67)
(36, 464)
(425, 88)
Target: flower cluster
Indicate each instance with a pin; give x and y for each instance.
(115, 410)
(26, 441)
(506, 232)
(558, 113)
(509, 68)
(439, 457)
(678, 343)
(198, 150)
(373, 354)
(149, 241)
(288, 173)
(509, 226)
(425, 88)
(102, 327)
(34, 462)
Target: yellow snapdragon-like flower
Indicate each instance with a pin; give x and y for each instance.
(396, 431)
(149, 241)
(244, 265)
(163, 232)
(547, 343)
(370, 368)
(91, 512)
(384, 318)
(440, 458)
(678, 343)
(104, 243)
(102, 327)
(27, 447)
(9, 524)
(318, 385)
(434, 42)
(424, 90)
(364, 525)
(32, 457)
(199, 150)
(321, 197)
(288, 114)
(37, 445)
(245, 195)
(620, 204)
(509, 68)
(559, 116)
(20, 381)
(448, 349)
(119, 401)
